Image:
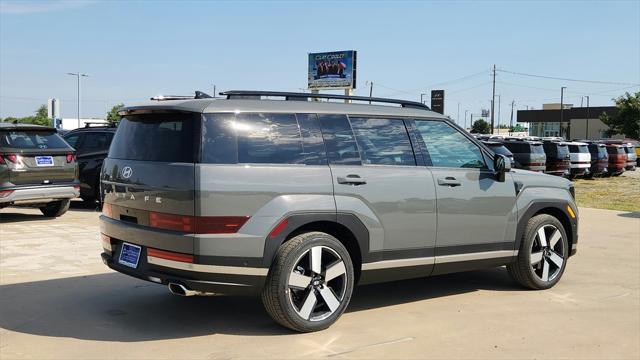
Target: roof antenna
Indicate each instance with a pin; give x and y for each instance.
(202, 95)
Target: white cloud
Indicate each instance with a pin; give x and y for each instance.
(38, 6)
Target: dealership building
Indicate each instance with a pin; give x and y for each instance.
(578, 122)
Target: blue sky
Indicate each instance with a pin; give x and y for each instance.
(136, 49)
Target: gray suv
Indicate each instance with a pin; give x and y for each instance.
(300, 200)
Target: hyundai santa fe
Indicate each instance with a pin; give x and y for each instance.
(300, 200)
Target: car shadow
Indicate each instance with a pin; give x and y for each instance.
(84, 206)
(114, 307)
(14, 214)
(632, 214)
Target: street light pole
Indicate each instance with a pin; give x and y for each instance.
(562, 112)
(78, 75)
(586, 132)
(458, 118)
(421, 98)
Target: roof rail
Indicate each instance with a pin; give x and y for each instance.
(250, 94)
(198, 95)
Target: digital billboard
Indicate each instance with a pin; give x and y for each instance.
(332, 70)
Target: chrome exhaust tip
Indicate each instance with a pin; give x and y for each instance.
(181, 290)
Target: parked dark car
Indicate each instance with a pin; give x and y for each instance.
(558, 158)
(617, 159)
(499, 148)
(92, 146)
(37, 169)
(528, 155)
(599, 159)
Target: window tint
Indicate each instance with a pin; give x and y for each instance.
(268, 138)
(72, 140)
(167, 137)
(383, 141)
(501, 149)
(518, 147)
(95, 141)
(339, 140)
(312, 144)
(578, 148)
(537, 149)
(447, 147)
(255, 138)
(32, 139)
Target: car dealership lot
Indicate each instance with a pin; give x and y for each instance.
(57, 300)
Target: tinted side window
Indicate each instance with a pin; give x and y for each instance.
(95, 141)
(518, 147)
(339, 140)
(219, 142)
(447, 147)
(73, 140)
(312, 144)
(383, 141)
(268, 139)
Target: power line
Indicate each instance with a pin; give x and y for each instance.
(567, 79)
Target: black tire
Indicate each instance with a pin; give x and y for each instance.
(522, 270)
(55, 208)
(278, 297)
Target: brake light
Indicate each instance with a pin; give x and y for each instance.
(70, 158)
(219, 224)
(171, 222)
(5, 193)
(169, 255)
(197, 224)
(12, 158)
(107, 210)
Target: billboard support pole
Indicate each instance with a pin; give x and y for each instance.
(348, 92)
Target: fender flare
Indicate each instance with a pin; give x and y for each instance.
(535, 207)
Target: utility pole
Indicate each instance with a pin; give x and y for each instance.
(562, 113)
(370, 92)
(493, 97)
(465, 119)
(458, 118)
(586, 132)
(214, 90)
(78, 75)
(499, 106)
(513, 102)
(421, 98)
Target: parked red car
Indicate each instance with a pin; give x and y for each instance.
(617, 159)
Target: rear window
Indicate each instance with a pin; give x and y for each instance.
(537, 149)
(563, 151)
(32, 139)
(615, 150)
(518, 147)
(578, 148)
(164, 137)
(501, 149)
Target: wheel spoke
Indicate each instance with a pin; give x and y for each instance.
(316, 259)
(556, 259)
(536, 257)
(542, 237)
(329, 298)
(308, 305)
(554, 238)
(299, 281)
(545, 270)
(335, 270)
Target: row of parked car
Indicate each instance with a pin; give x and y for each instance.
(555, 156)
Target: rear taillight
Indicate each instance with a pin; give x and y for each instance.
(219, 224)
(197, 224)
(70, 158)
(107, 210)
(5, 193)
(12, 158)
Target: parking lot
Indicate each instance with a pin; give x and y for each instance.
(57, 300)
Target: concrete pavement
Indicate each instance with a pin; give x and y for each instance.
(57, 301)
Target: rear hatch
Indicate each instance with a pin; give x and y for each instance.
(148, 177)
(36, 156)
(580, 156)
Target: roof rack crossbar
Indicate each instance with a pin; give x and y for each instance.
(247, 94)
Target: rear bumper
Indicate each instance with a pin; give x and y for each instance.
(39, 194)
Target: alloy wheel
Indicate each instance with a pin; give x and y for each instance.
(547, 253)
(317, 283)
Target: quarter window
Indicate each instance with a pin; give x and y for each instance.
(268, 138)
(383, 141)
(339, 140)
(447, 147)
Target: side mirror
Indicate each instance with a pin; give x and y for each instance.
(501, 165)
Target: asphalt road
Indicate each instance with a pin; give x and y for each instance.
(57, 301)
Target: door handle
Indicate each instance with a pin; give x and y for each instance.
(449, 181)
(351, 180)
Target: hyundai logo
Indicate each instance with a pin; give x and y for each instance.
(127, 171)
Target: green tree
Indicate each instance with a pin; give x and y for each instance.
(517, 128)
(112, 116)
(40, 118)
(480, 127)
(627, 121)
